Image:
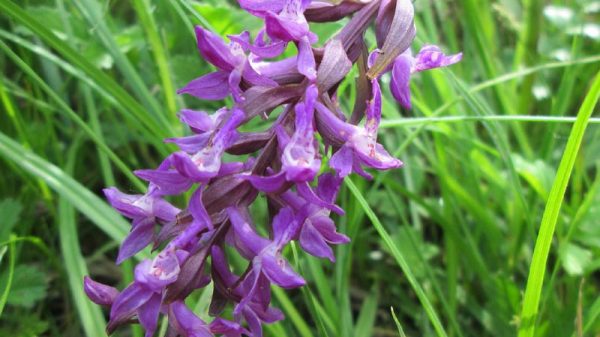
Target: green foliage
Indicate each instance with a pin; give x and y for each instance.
(448, 241)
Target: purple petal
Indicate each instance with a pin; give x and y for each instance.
(126, 203)
(270, 50)
(140, 236)
(262, 5)
(326, 228)
(328, 187)
(234, 81)
(221, 267)
(197, 209)
(254, 78)
(284, 226)
(214, 50)
(212, 86)
(400, 84)
(227, 328)
(99, 293)
(202, 168)
(306, 60)
(309, 195)
(200, 121)
(432, 57)
(289, 24)
(169, 182)
(251, 242)
(269, 184)
(148, 315)
(164, 210)
(126, 304)
(373, 112)
(374, 155)
(312, 242)
(253, 321)
(190, 144)
(331, 127)
(278, 271)
(186, 322)
(342, 161)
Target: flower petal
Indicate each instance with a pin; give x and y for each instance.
(99, 293)
(400, 84)
(126, 304)
(278, 271)
(212, 86)
(214, 50)
(140, 236)
(342, 161)
(148, 315)
(432, 57)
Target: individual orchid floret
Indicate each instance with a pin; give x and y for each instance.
(233, 65)
(359, 144)
(202, 125)
(405, 65)
(145, 210)
(300, 160)
(266, 255)
(206, 162)
(318, 230)
(290, 25)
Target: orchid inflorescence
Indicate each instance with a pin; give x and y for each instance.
(282, 163)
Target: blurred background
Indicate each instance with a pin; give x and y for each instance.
(87, 93)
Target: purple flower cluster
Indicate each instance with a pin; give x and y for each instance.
(284, 163)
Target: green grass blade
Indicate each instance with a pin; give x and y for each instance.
(416, 121)
(366, 316)
(81, 198)
(142, 8)
(291, 312)
(90, 315)
(431, 313)
(11, 271)
(544, 240)
(398, 324)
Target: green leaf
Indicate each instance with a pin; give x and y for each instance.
(575, 259)
(29, 285)
(366, 316)
(537, 173)
(90, 315)
(537, 270)
(10, 210)
(9, 276)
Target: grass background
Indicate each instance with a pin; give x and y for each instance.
(450, 242)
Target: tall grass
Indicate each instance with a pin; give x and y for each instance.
(494, 147)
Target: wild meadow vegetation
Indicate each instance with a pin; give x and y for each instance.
(492, 227)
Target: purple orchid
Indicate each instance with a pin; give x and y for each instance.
(405, 65)
(145, 211)
(233, 65)
(283, 163)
